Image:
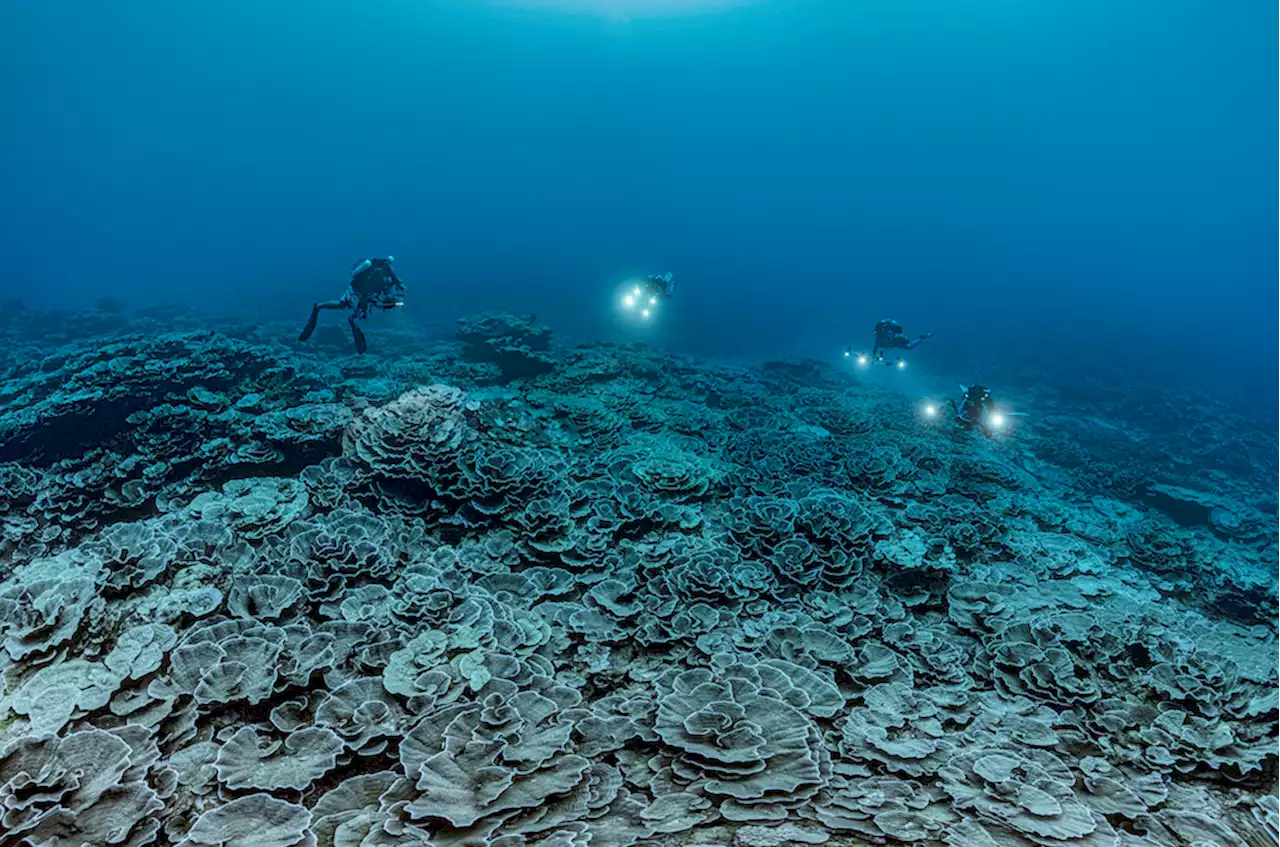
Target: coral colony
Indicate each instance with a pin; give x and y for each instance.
(502, 593)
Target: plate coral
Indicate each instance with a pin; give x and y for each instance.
(509, 593)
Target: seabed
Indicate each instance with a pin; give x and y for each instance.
(489, 590)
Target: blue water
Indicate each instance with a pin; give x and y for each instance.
(562, 574)
(1098, 174)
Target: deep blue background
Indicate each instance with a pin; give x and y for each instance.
(1094, 172)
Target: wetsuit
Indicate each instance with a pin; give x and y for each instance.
(660, 285)
(889, 336)
(374, 285)
(973, 407)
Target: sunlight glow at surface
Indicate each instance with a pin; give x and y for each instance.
(625, 10)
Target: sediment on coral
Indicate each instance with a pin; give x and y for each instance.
(506, 594)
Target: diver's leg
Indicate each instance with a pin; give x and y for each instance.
(357, 335)
(311, 323)
(911, 345)
(315, 314)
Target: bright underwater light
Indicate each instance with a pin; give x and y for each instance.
(930, 410)
(636, 291)
(862, 360)
(645, 313)
(996, 420)
(628, 300)
(653, 300)
(902, 363)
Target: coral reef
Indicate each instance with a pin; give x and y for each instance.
(515, 346)
(503, 594)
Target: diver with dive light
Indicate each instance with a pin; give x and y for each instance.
(888, 336)
(645, 294)
(977, 410)
(374, 285)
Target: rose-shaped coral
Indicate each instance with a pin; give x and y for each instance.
(745, 739)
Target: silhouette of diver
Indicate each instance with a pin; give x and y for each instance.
(889, 336)
(374, 285)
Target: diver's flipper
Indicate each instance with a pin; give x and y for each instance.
(358, 337)
(311, 324)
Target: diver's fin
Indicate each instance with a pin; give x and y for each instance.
(311, 325)
(964, 389)
(358, 336)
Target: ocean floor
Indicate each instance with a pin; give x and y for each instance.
(488, 590)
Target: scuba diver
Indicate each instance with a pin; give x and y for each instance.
(374, 285)
(645, 294)
(659, 285)
(664, 284)
(889, 336)
(974, 406)
(977, 410)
